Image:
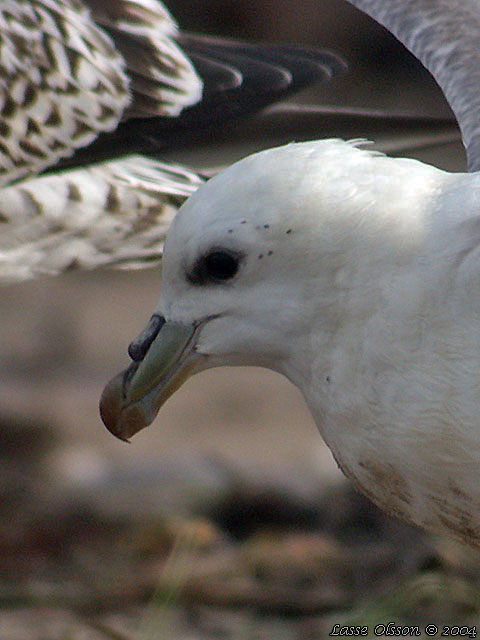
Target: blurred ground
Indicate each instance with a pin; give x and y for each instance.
(227, 518)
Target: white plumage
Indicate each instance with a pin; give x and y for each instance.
(357, 277)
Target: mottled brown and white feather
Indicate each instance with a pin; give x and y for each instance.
(62, 82)
(69, 71)
(72, 72)
(163, 81)
(113, 213)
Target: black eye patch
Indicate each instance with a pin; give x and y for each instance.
(216, 266)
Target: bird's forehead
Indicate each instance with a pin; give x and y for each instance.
(266, 188)
(233, 210)
(245, 191)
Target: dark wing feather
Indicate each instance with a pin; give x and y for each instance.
(238, 78)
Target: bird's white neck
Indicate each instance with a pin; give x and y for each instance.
(390, 369)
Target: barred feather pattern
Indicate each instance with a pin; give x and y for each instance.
(62, 82)
(163, 81)
(64, 79)
(114, 213)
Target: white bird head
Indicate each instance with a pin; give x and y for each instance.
(256, 263)
(242, 254)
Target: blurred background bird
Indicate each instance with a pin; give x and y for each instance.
(118, 83)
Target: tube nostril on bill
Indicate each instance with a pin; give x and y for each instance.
(139, 347)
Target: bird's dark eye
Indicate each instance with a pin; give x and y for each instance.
(217, 266)
(220, 265)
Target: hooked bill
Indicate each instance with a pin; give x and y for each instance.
(166, 358)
